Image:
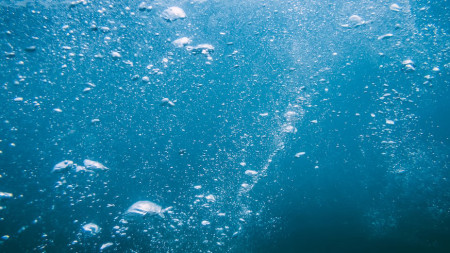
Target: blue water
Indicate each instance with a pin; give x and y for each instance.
(313, 126)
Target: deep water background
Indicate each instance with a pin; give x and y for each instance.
(362, 185)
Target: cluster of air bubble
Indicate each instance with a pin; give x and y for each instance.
(391, 126)
(89, 166)
(213, 215)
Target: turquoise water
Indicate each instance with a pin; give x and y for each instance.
(256, 126)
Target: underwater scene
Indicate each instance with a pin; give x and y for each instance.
(225, 126)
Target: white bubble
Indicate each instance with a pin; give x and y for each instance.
(93, 165)
(91, 229)
(250, 173)
(408, 65)
(287, 128)
(407, 61)
(300, 154)
(105, 29)
(354, 21)
(18, 99)
(389, 122)
(63, 166)
(80, 168)
(145, 208)
(385, 36)
(106, 245)
(205, 223)
(167, 102)
(210, 198)
(145, 6)
(75, 3)
(173, 13)
(290, 115)
(30, 49)
(205, 49)
(115, 55)
(181, 42)
(5, 195)
(395, 7)
(409, 68)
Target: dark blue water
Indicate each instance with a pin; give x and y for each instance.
(364, 97)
